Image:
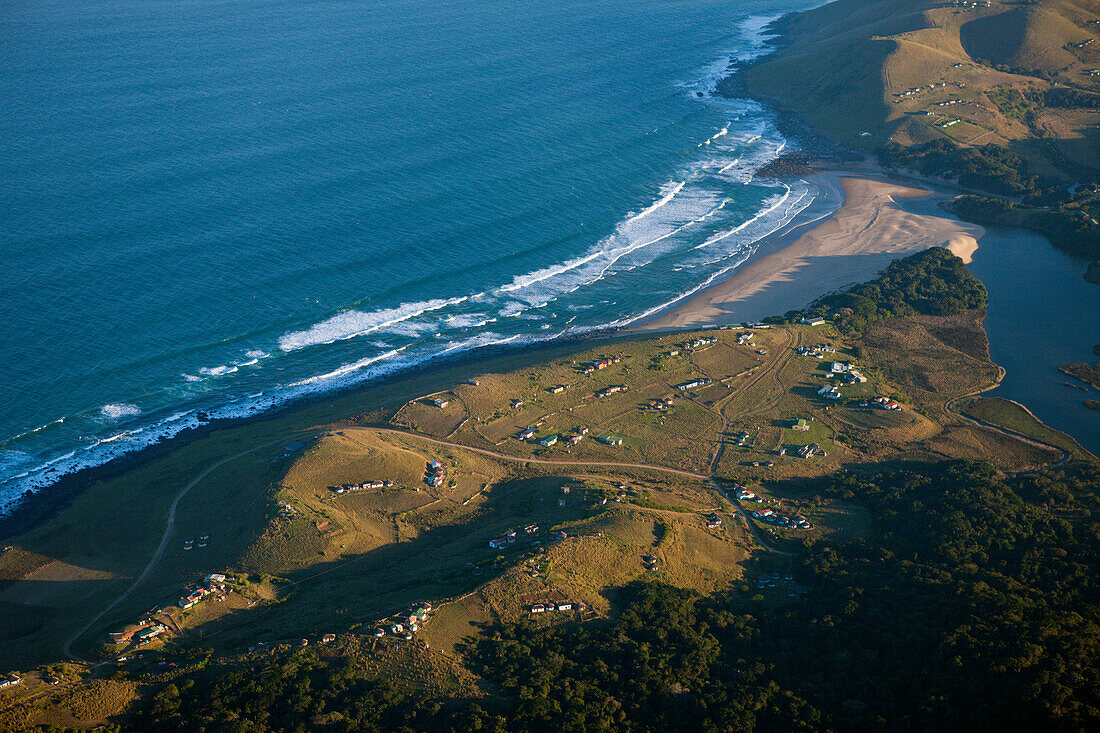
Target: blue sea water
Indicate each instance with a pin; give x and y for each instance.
(222, 205)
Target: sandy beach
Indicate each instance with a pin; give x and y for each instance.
(852, 246)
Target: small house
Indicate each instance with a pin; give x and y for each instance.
(556, 389)
(611, 440)
(816, 321)
(440, 402)
(149, 633)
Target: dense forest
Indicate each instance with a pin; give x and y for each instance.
(987, 167)
(1067, 225)
(973, 603)
(933, 282)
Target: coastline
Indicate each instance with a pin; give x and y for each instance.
(700, 309)
(35, 507)
(867, 232)
(773, 249)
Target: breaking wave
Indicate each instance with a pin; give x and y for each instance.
(352, 323)
(114, 412)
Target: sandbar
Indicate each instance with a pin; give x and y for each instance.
(855, 244)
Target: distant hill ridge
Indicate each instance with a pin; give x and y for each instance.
(846, 67)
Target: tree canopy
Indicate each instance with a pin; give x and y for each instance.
(933, 282)
(973, 602)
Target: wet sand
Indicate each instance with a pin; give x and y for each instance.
(852, 246)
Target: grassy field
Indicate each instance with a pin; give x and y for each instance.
(1014, 416)
(307, 559)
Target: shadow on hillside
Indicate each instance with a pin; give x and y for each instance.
(439, 562)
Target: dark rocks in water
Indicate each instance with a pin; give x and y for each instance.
(730, 87)
(699, 94)
(791, 164)
(1092, 404)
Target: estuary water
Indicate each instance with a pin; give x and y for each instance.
(1042, 314)
(210, 207)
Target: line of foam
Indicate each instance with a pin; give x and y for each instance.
(352, 323)
(740, 227)
(657, 204)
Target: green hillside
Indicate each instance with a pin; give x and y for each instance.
(872, 71)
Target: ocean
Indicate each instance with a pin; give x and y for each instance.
(212, 208)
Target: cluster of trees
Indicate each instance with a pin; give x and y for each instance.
(933, 282)
(297, 692)
(972, 605)
(987, 167)
(973, 602)
(1066, 97)
(1064, 225)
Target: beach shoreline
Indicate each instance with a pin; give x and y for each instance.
(689, 312)
(852, 245)
(45, 501)
(35, 507)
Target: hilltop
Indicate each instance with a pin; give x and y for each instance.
(898, 70)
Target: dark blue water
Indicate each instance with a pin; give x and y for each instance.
(223, 205)
(1042, 314)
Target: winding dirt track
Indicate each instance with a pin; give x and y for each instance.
(171, 523)
(169, 529)
(612, 464)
